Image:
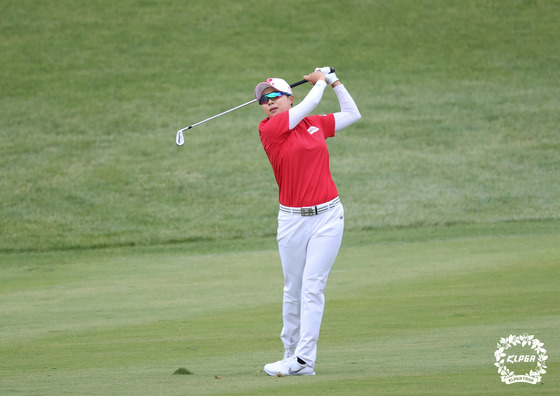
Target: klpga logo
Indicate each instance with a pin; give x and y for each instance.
(521, 358)
(535, 354)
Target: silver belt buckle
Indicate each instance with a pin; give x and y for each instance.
(308, 211)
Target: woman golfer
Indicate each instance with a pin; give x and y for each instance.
(311, 217)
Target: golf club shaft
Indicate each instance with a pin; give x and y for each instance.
(235, 108)
(218, 115)
(180, 140)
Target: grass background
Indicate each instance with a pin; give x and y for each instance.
(422, 317)
(459, 101)
(124, 257)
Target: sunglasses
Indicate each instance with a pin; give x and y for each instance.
(273, 95)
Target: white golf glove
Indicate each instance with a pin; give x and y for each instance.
(330, 78)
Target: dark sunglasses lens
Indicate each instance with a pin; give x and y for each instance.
(265, 98)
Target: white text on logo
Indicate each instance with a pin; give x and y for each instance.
(521, 358)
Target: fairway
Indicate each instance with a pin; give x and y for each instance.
(402, 317)
(125, 258)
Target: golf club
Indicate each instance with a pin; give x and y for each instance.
(180, 139)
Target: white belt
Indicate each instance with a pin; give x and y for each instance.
(311, 210)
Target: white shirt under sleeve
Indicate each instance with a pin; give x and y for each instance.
(349, 112)
(302, 110)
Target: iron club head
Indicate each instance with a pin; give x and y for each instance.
(180, 139)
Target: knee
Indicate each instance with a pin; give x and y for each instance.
(292, 292)
(315, 286)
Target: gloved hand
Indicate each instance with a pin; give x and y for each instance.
(330, 78)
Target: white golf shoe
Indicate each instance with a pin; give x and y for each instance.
(288, 366)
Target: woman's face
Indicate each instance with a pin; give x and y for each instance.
(276, 105)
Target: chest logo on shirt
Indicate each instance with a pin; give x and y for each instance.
(312, 130)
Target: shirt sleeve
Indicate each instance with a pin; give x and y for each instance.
(349, 112)
(329, 124)
(300, 111)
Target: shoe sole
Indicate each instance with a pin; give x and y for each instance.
(273, 374)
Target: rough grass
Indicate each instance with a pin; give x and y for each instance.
(460, 104)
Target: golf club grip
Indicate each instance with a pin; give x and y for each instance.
(304, 81)
(298, 83)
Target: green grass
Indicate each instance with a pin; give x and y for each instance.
(403, 317)
(124, 258)
(459, 100)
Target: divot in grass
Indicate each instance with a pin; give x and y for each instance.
(183, 371)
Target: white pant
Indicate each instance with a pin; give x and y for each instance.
(308, 247)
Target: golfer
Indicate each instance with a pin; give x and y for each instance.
(311, 217)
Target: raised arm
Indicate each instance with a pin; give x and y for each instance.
(306, 106)
(348, 113)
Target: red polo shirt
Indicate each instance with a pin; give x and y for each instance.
(300, 158)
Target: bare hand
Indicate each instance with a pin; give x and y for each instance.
(314, 77)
